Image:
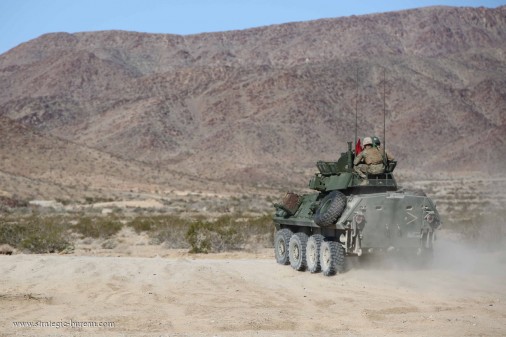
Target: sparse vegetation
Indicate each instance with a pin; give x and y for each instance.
(472, 210)
(94, 200)
(98, 227)
(219, 235)
(228, 233)
(167, 229)
(12, 202)
(36, 234)
(203, 235)
(49, 233)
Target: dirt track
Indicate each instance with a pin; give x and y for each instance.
(250, 295)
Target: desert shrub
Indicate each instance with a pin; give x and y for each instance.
(11, 233)
(143, 224)
(259, 231)
(95, 200)
(46, 239)
(42, 234)
(198, 236)
(167, 229)
(201, 235)
(109, 244)
(7, 203)
(220, 235)
(172, 236)
(259, 225)
(64, 202)
(98, 227)
(229, 232)
(36, 234)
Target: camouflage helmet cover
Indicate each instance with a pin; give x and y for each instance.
(367, 141)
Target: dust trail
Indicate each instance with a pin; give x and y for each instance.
(448, 255)
(467, 258)
(456, 270)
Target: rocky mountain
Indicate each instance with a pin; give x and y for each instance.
(37, 165)
(260, 106)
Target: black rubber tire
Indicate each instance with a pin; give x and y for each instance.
(297, 251)
(331, 258)
(281, 241)
(313, 253)
(330, 209)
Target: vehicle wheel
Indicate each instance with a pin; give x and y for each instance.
(281, 240)
(331, 258)
(313, 252)
(330, 209)
(297, 251)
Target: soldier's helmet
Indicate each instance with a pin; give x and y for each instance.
(375, 141)
(367, 141)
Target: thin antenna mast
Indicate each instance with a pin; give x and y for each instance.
(356, 108)
(384, 114)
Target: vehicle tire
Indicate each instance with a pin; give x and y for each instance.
(313, 253)
(281, 241)
(297, 251)
(331, 258)
(330, 209)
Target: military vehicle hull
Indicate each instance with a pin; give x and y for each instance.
(370, 223)
(346, 217)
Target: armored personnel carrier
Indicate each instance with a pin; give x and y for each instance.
(346, 217)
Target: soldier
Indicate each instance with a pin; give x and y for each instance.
(377, 143)
(370, 160)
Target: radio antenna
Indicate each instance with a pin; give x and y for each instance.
(384, 114)
(356, 107)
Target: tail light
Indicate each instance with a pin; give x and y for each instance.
(359, 218)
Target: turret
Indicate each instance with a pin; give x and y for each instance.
(339, 175)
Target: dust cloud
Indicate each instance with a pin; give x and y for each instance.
(466, 258)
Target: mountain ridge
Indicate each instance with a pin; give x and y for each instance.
(260, 106)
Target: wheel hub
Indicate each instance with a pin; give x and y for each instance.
(296, 252)
(311, 253)
(281, 247)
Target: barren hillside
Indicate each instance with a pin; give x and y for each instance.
(37, 165)
(259, 106)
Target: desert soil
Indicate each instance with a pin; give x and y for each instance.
(248, 294)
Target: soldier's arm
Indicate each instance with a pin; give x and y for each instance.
(358, 158)
(389, 156)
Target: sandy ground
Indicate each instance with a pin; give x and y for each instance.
(248, 294)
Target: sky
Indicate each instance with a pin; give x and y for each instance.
(23, 20)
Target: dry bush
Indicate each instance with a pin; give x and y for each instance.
(203, 235)
(230, 233)
(167, 229)
(98, 227)
(7, 203)
(36, 234)
(54, 233)
(217, 236)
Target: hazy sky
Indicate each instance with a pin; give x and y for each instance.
(23, 20)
